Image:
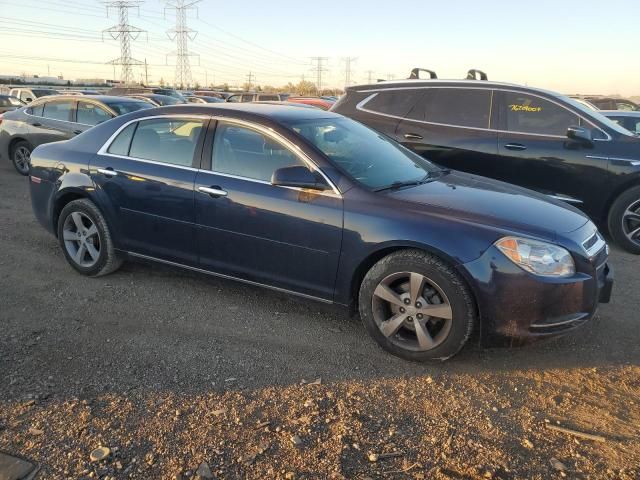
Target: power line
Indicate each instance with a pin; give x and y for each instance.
(182, 34)
(319, 66)
(125, 33)
(348, 61)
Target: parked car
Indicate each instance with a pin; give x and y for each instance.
(157, 100)
(80, 92)
(318, 102)
(254, 97)
(611, 103)
(625, 118)
(203, 99)
(525, 136)
(213, 93)
(317, 205)
(28, 95)
(56, 118)
(8, 103)
(123, 91)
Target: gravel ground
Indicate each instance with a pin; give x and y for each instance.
(173, 371)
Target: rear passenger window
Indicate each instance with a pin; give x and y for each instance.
(460, 107)
(247, 153)
(397, 103)
(121, 144)
(58, 111)
(247, 98)
(91, 114)
(37, 110)
(168, 140)
(268, 98)
(530, 114)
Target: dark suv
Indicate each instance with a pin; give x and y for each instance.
(526, 136)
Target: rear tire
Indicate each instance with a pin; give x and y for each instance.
(624, 220)
(85, 239)
(21, 157)
(416, 306)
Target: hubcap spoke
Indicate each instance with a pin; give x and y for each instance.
(92, 251)
(438, 311)
(416, 285)
(70, 236)
(425, 340)
(630, 215)
(93, 230)
(633, 233)
(77, 220)
(79, 257)
(385, 293)
(391, 326)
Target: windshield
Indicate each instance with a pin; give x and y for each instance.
(169, 93)
(597, 115)
(127, 107)
(167, 100)
(44, 93)
(365, 155)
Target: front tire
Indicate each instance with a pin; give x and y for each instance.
(416, 306)
(624, 220)
(85, 239)
(21, 157)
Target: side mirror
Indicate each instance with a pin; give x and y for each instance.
(298, 176)
(580, 134)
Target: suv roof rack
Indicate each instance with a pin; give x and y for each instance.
(473, 74)
(415, 73)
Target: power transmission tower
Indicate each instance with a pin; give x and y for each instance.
(125, 33)
(319, 66)
(182, 34)
(250, 77)
(370, 76)
(348, 61)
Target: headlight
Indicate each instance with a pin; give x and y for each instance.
(536, 257)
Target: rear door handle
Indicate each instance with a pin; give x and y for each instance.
(515, 146)
(109, 172)
(77, 132)
(413, 136)
(36, 124)
(213, 191)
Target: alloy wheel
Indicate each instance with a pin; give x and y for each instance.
(81, 239)
(22, 158)
(631, 222)
(412, 311)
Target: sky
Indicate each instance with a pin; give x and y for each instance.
(584, 47)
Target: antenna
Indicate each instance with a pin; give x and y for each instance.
(182, 34)
(125, 33)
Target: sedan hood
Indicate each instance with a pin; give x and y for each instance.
(482, 200)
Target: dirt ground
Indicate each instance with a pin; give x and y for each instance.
(175, 372)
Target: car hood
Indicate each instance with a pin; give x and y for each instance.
(482, 200)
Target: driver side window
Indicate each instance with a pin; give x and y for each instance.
(247, 153)
(531, 114)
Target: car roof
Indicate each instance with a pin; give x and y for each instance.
(266, 110)
(101, 98)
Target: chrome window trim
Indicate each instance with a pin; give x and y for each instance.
(631, 161)
(296, 150)
(361, 106)
(565, 198)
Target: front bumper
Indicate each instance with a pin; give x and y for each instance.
(517, 307)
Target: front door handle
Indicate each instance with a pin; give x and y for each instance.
(77, 132)
(213, 191)
(413, 136)
(36, 124)
(109, 172)
(515, 146)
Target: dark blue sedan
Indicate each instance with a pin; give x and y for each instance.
(318, 205)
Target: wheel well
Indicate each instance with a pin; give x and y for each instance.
(62, 202)
(13, 143)
(619, 191)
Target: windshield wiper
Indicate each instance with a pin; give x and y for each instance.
(397, 185)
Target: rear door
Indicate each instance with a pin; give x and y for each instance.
(284, 237)
(533, 140)
(145, 179)
(452, 126)
(52, 121)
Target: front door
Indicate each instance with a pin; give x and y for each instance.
(284, 237)
(145, 177)
(533, 139)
